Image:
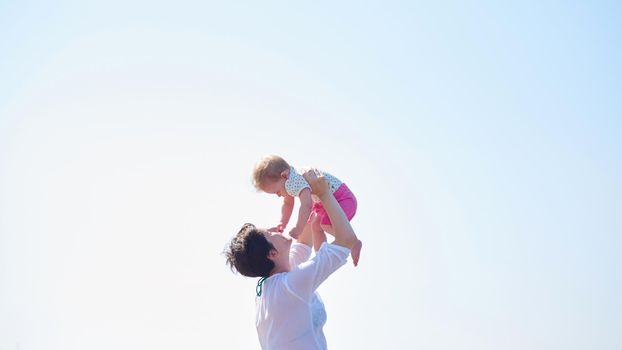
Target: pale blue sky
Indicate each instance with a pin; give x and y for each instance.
(482, 140)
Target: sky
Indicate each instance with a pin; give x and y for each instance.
(482, 140)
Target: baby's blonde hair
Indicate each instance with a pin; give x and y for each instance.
(269, 168)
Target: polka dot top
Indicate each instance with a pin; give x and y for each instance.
(296, 183)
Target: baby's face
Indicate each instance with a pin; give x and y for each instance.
(275, 187)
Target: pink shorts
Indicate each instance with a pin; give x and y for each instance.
(346, 200)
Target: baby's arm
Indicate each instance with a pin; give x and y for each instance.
(286, 211)
(306, 203)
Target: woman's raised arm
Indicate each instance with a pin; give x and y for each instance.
(344, 234)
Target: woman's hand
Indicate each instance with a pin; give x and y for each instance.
(319, 185)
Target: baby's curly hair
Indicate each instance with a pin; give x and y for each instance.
(248, 252)
(269, 168)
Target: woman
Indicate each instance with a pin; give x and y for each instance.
(290, 314)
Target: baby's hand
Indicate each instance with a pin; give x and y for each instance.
(295, 232)
(276, 229)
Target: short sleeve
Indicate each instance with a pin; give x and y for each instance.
(295, 183)
(307, 277)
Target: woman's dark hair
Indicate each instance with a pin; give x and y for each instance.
(248, 252)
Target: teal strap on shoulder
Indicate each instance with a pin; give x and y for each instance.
(260, 286)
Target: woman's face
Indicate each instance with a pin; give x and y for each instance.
(282, 244)
(278, 240)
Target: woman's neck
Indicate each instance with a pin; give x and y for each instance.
(279, 268)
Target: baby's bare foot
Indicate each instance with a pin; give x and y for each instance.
(356, 252)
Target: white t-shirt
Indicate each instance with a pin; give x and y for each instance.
(290, 314)
(296, 182)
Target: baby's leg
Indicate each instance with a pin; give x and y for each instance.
(319, 236)
(356, 248)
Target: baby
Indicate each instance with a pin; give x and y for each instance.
(272, 174)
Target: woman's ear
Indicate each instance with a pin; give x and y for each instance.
(272, 254)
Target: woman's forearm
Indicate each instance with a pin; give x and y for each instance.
(344, 234)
